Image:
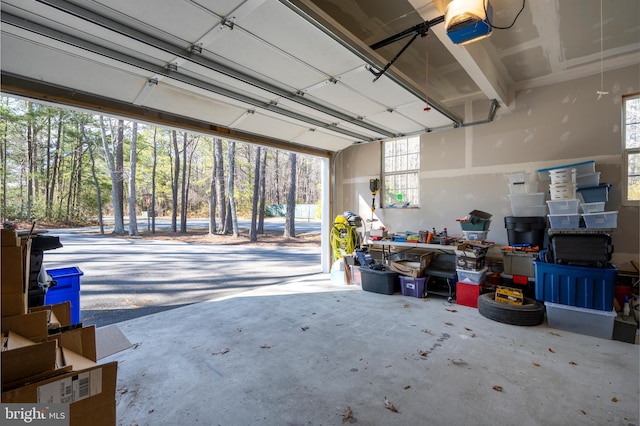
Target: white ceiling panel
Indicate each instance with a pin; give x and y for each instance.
(415, 111)
(272, 126)
(396, 121)
(346, 99)
(383, 91)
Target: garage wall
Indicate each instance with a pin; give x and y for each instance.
(466, 169)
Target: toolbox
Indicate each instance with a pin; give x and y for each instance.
(381, 281)
(590, 250)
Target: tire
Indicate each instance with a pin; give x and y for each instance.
(530, 313)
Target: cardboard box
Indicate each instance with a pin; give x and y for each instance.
(90, 393)
(9, 237)
(471, 256)
(411, 268)
(58, 315)
(512, 296)
(12, 273)
(24, 359)
(33, 326)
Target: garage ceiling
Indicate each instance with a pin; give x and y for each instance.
(296, 73)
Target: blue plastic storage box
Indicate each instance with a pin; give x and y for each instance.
(591, 288)
(595, 194)
(67, 289)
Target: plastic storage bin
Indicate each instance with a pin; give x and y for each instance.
(526, 200)
(519, 263)
(580, 320)
(472, 277)
(67, 289)
(568, 206)
(563, 191)
(563, 175)
(564, 220)
(467, 294)
(523, 187)
(475, 235)
(413, 287)
(591, 288)
(384, 282)
(591, 179)
(605, 220)
(592, 207)
(529, 211)
(481, 225)
(590, 250)
(583, 168)
(526, 230)
(594, 194)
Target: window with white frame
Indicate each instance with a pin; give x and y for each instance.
(631, 150)
(401, 166)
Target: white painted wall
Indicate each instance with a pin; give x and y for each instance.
(467, 168)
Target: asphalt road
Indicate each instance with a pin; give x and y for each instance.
(129, 278)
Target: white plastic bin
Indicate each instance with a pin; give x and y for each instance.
(564, 220)
(563, 191)
(568, 206)
(601, 220)
(475, 235)
(472, 277)
(527, 200)
(591, 179)
(591, 322)
(528, 211)
(566, 175)
(593, 207)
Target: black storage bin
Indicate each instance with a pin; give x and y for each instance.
(379, 281)
(526, 230)
(590, 250)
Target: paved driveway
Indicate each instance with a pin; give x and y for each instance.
(126, 279)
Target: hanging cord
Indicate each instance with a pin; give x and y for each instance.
(601, 91)
(486, 15)
(426, 67)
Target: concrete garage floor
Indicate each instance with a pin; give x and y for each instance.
(305, 352)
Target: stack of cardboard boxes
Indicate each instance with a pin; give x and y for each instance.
(45, 358)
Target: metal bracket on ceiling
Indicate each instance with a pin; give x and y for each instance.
(229, 22)
(417, 30)
(152, 82)
(172, 67)
(196, 48)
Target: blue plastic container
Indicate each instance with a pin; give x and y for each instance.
(595, 194)
(591, 288)
(67, 289)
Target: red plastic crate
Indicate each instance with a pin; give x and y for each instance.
(467, 294)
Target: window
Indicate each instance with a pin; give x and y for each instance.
(631, 150)
(401, 165)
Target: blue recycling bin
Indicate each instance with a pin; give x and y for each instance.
(67, 289)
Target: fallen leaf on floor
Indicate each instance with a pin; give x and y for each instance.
(152, 410)
(123, 391)
(222, 352)
(136, 345)
(423, 353)
(389, 406)
(387, 366)
(468, 329)
(458, 361)
(553, 333)
(239, 329)
(265, 346)
(583, 412)
(573, 363)
(406, 305)
(408, 387)
(348, 414)
(535, 364)
(426, 331)
(473, 334)
(448, 323)
(552, 351)
(614, 399)
(305, 328)
(497, 388)
(452, 310)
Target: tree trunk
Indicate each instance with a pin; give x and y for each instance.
(222, 199)
(97, 185)
(183, 203)
(118, 208)
(111, 165)
(231, 190)
(133, 159)
(174, 183)
(290, 221)
(263, 188)
(253, 230)
(153, 182)
(30, 159)
(3, 156)
(212, 191)
(277, 177)
(55, 166)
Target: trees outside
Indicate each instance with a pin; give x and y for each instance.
(63, 166)
(290, 224)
